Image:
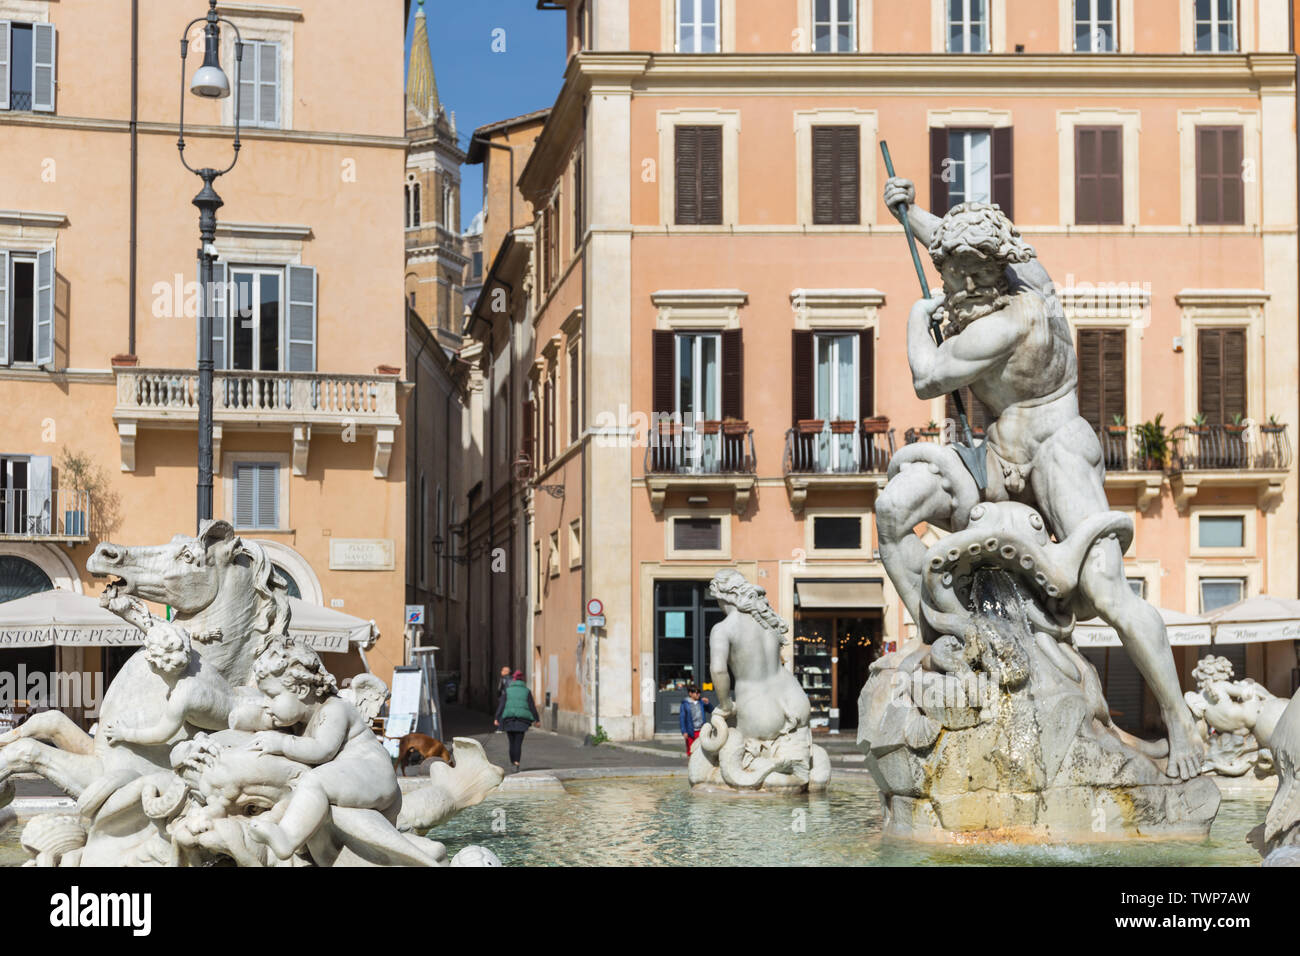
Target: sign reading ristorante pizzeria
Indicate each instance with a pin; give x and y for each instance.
(45, 635)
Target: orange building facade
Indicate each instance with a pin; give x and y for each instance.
(720, 303)
(98, 245)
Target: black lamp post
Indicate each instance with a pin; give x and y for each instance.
(210, 82)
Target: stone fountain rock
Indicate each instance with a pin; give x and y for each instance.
(224, 740)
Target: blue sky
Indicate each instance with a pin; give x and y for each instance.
(482, 85)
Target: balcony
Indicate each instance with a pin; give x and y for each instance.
(296, 402)
(1229, 456)
(703, 456)
(59, 514)
(836, 456)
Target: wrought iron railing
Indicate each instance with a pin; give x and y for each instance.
(1230, 447)
(833, 450)
(675, 448)
(44, 513)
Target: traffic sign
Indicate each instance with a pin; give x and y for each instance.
(595, 608)
(415, 614)
(596, 620)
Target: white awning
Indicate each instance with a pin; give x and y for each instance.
(819, 595)
(1183, 630)
(1257, 619)
(69, 619)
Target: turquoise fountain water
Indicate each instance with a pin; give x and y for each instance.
(656, 821)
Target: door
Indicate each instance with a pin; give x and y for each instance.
(857, 643)
(835, 399)
(699, 397)
(684, 615)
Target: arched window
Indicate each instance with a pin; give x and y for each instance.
(406, 198)
(294, 591)
(412, 203)
(20, 577)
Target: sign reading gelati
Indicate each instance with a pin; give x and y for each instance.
(361, 554)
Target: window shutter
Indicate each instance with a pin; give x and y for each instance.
(1002, 170)
(248, 84)
(1086, 200)
(43, 67)
(823, 175)
(976, 414)
(44, 351)
(866, 373)
(268, 496)
(687, 148)
(4, 64)
(938, 187)
(1222, 386)
(244, 497)
(530, 436)
(847, 175)
(4, 304)
(1220, 191)
(40, 507)
(218, 299)
(664, 384)
(1234, 373)
(1114, 372)
(302, 318)
(711, 175)
(1102, 387)
(268, 84)
(801, 376)
(733, 374)
(1111, 175)
(1231, 186)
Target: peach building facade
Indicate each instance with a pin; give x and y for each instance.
(711, 248)
(98, 246)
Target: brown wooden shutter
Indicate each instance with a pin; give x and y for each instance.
(1220, 191)
(733, 375)
(664, 384)
(823, 175)
(1003, 164)
(866, 373)
(1098, 175)
(711, 175)
(1102, 376)
(938, 187)
(801, 352)
(1222, 386)
(530, 430)
(688, 175)
(1231, 186)
(848, 175)
(976, 414)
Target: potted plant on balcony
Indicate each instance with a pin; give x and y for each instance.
(875, 425)
(1152, 444)
(1236, 426)
(1198, 425)
(1273, 426)
(843, 426)
(1117, 428)
(1272, 455)
(709, 427)
(734, 426)
(811, 426)
(931, 430)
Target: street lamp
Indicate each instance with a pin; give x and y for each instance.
(210, 82)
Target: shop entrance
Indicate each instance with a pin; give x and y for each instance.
(832, 653)
(684, 615)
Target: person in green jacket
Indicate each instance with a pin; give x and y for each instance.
(516, 712)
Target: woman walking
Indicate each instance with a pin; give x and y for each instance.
(516, 712)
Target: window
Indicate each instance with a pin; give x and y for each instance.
(548, 410)
(259, 84)
(257, 495)
(27, 66)
(548, 243)
(970, 165)
(579, 212)
(836, 175)
(26, 489)
(1220, 592)
(582, 25)
(1221, 531)
(575, 393)
(699, 382)
(1216, 26)
(539, 576)
(1094, 26)
(1221, 391)
(698, 151)
(697, 534)
(423, 538)
(440, 528)
(697, 26)
(27, 307)
(265, 318)
(1099, 175)
(412, 203)
(477, 267)
(1138, 586)
(553, 558)
(836, 381)
(1102, 376)
(1220, 190)
(968, 26)
(575, 543)
(834, 26)
(836, 533)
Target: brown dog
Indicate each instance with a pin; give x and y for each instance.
(425, 746)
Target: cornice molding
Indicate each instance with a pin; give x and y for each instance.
(27, 218)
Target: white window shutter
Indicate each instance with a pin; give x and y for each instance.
(244, 479)
(4, 305)
(44, 351)
(268, 84)
(39, 500)
(302, 318)
(219, 287)
(268, 496)
(248, 85)
(43, 67)
(4, 64)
